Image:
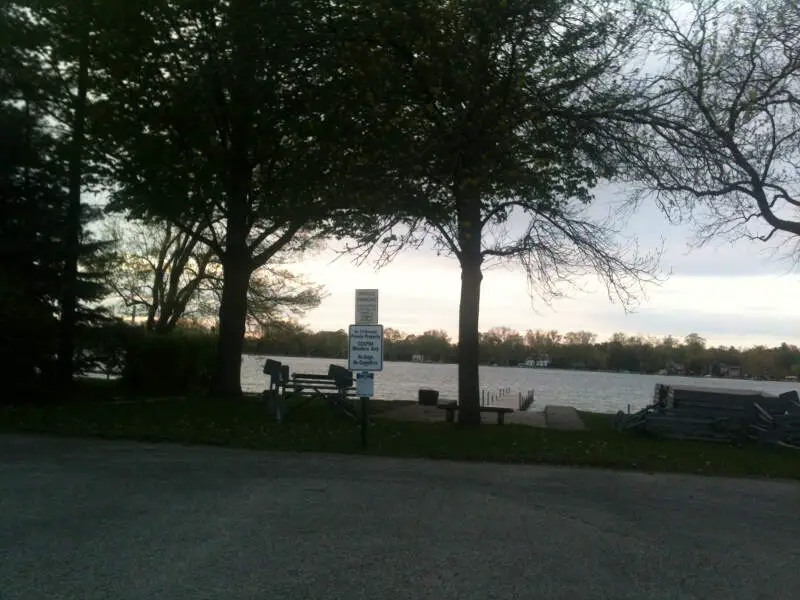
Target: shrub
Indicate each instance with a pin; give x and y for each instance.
(101, 349)
(28, 333)
(170, 363)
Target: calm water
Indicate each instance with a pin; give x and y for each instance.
(606, 392)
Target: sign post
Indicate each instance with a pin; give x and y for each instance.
(366, 307)
(365, 387)
(365, 350)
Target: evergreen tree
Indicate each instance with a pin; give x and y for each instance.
(43, 227)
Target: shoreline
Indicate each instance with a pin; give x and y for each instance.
(529, 368)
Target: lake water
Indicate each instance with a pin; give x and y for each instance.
(602, 392)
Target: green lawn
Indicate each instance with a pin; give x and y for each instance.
(314, 427)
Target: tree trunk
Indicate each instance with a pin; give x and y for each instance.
(236, 269)
(469, 391)
(72, 225)
(236, 273)
(232, 315)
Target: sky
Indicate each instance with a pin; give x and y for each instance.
(732, 293)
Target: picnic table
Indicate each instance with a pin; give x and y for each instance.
(336, 387)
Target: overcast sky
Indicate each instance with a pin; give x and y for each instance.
(738, 294)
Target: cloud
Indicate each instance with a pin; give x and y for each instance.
(731, 293)
(683, 254)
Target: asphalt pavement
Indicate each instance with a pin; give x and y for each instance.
(88, 519)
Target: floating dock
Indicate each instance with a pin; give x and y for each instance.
(508, 398)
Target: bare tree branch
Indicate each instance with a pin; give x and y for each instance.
(718, 130)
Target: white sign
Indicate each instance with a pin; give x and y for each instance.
(366, 307)
(365, 348)
(365, 384)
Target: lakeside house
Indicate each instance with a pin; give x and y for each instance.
(730, 370)
(540, 363)
(418, 358)
(673, 368)
(712, 370)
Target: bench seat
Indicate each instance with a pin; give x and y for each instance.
(312, 385)
(452, 407)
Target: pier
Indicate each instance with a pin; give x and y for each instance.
(508, 398)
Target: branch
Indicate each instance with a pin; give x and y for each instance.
(268, 231)
(214, 243)
(449, 240)
(262, 257)
(383, 243)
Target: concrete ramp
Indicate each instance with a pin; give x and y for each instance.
(552, 417)
(563, 417)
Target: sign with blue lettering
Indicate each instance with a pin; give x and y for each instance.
(365, 348)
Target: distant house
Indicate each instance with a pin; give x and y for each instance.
(726, 370)
(418, 358)
(734, 371)
(673, 368)
(538, 362)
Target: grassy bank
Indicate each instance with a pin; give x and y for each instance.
(314, 427)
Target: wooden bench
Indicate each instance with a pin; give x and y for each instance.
(452, 407)
(336, 390)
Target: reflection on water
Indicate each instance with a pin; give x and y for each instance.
(606, 392)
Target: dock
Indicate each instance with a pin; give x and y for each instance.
(508, 398)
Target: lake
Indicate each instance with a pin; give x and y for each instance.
(602, 392)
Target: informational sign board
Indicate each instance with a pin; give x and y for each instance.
(365, 348)
(366, 307)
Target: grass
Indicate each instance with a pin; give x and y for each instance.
(314, 427)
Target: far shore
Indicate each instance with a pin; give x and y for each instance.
(522, 366)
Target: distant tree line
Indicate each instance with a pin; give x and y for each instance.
(571, 350)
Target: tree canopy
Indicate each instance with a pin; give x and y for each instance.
(718, 136)
(164, 276)
(489, 141)
(214, 114)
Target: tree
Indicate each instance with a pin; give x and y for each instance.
(434, 345)
(504, 345)
(695, 340)
(274, 295)
(330, 343)
(695, 347)
(489, 147)
(719, 132)
(73, 229)
(170, 275)
(580, 338)
(57, 46)
(44, 74)
(158, 270)
(31, 201)
(214, 112)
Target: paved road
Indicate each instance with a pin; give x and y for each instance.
(123, 521)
